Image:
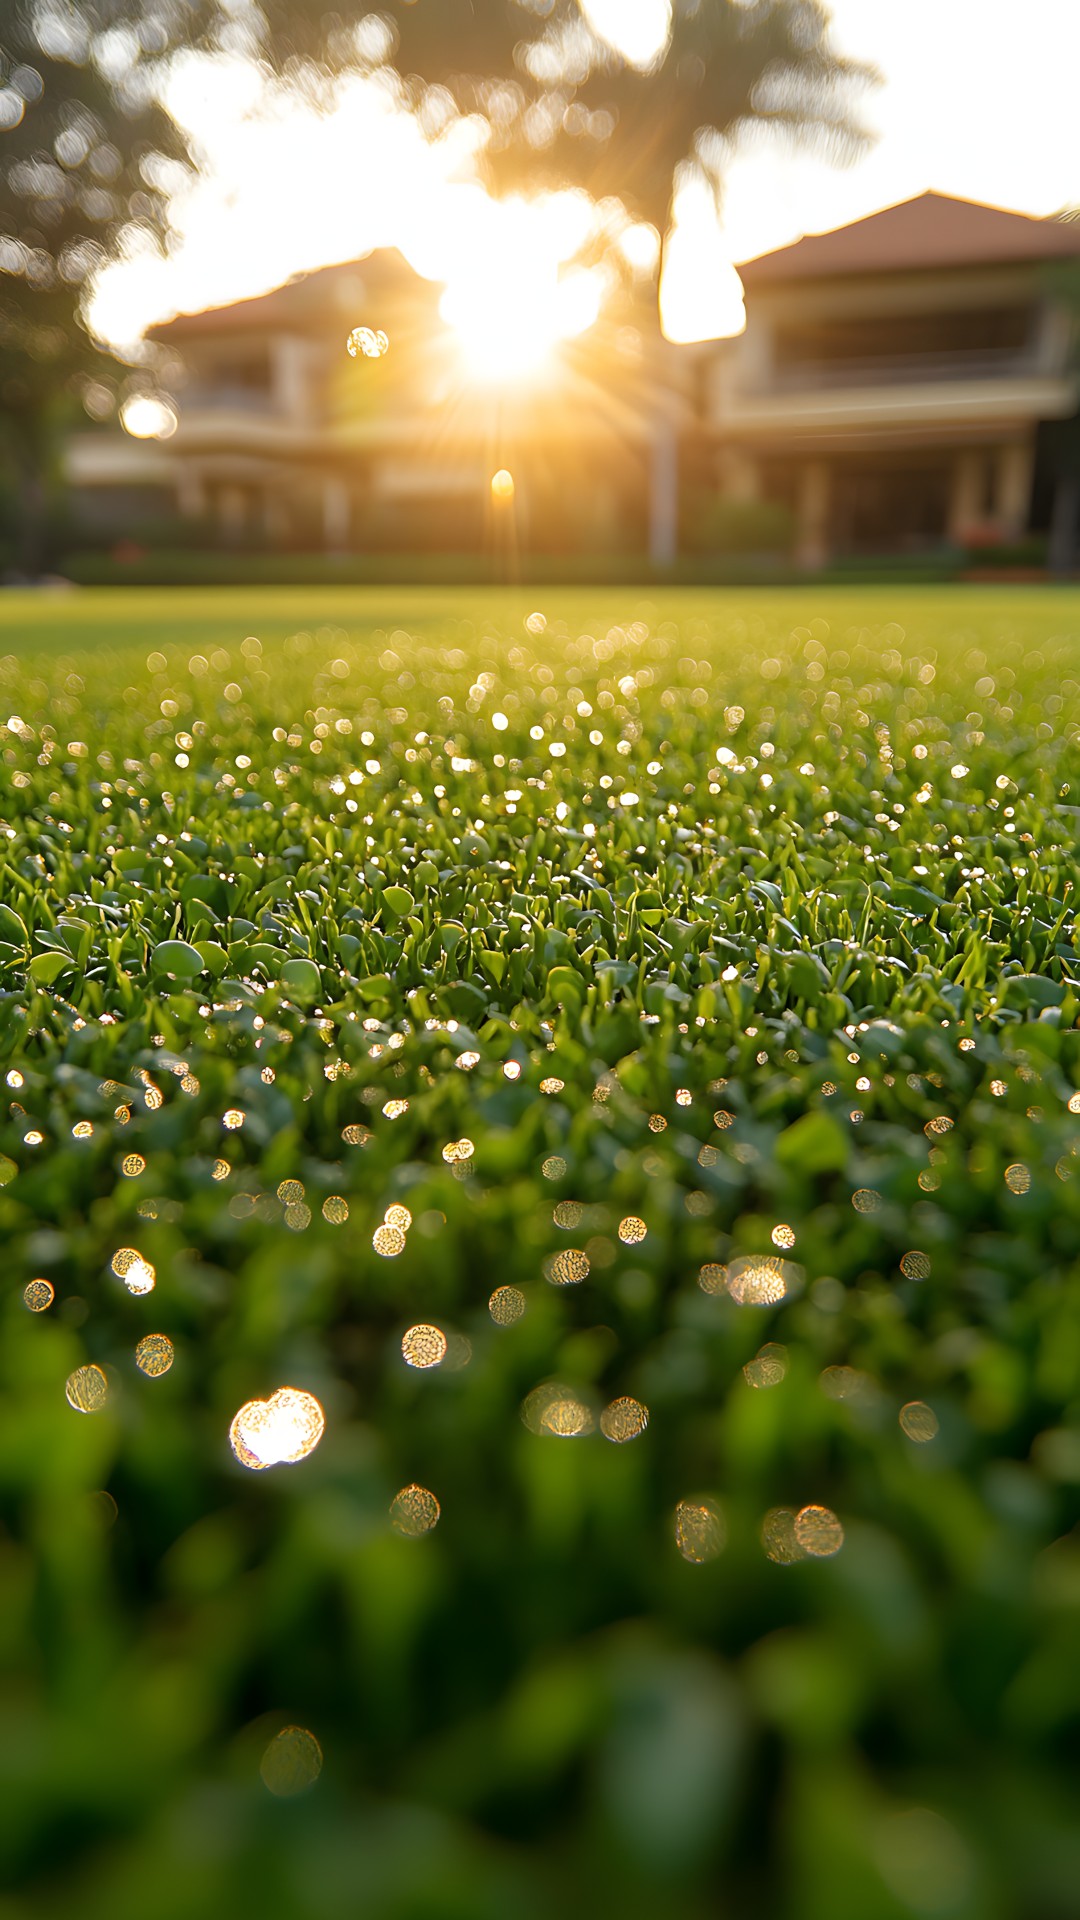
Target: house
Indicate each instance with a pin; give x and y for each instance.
(284, 439)
(903, 385)
(897, 376)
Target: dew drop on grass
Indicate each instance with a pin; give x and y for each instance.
(700, 1533)
(87, 1389)
(414, 1511)
(291, 1763)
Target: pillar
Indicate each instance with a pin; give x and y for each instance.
(664, 495)
(812, 514)
(335, 513)
(1061, 553)
(1013, 474)
(190, 493)
(739, 475)
(967, 496)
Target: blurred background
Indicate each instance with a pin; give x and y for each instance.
(566, 241)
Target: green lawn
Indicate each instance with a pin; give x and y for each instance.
(658, 1013)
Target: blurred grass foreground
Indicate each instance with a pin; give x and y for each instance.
(541, 1193)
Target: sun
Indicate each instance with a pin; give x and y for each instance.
(509, 331)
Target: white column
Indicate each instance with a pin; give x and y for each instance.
(967, 499)
(663, 494)
(190, 492)
(290, 377)
(335, 516)
(1012, 487)
(812, 514)
(739, 475)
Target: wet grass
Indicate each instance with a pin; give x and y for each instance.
(638, 1006)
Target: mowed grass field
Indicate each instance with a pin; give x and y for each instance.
(540, 1189)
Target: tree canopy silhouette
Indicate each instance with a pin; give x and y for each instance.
(564, 106)
(87, 160)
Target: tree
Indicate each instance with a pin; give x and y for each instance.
(87, 159)
(563, 105)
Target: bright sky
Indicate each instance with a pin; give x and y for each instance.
(978, 100)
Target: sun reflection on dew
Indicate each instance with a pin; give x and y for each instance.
(700, 1533)
(768, 1367)
(558, 1410)
(915, 1265)
(38, 1295)
(779, 1539)
(919, 1422)
(388, 1241)
(279, 1431)
(761, 1280)
(154, 1354)
(369, 343)
(292, 1762)
(136, 1272)
(423, 1346)
(87, 1389)
(567, 1269)
(625, 1419)
(712, 1277)
(506, 1305)
(818, 1532)
(414, 1511)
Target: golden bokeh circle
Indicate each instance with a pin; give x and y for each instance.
(818, 1532)
(779, 1539)
(625, 1419)
(915, 1265)
(506, 1305)
(39, 1294)
(567, 1269)
(423, 1346)
(713, 1277)
(279, 1431)
(558, 1411)
(919, 1422)
(760, 1279)
(414, 1511)
(768, 1367)
(700, 1533)
(87, 1389)
(388, 1241)
(154, 1354)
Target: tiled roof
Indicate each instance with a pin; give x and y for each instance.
(308, 303)
(933, 230)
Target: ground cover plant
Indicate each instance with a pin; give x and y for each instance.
(615, 1061)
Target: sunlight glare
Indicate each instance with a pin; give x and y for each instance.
(145, 417)
(508, 328)
(639, 30)
(701, 295)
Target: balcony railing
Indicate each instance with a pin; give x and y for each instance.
(917, 369)
(221, 399)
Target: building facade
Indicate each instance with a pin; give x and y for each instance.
(896, 378)
(897, 390)
(284, 439)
